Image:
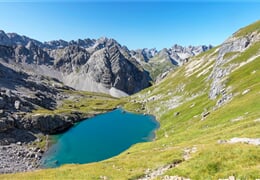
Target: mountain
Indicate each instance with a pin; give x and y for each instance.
(100, 65)
(209, 114)
(159, 63)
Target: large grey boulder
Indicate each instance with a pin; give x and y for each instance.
(70, 59)
(17, 105)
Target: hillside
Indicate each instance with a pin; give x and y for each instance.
(209, 114)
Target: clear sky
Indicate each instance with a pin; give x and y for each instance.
(132, 23)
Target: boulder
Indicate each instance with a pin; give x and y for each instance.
(17, 104)
(1, 112)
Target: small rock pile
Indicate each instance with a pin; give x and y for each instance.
(19, 158)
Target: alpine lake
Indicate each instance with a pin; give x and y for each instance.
(99, 138)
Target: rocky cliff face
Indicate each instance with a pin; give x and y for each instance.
(21, 93)
(29, 54)
(230, 49)
(100, 65)
(10, 39)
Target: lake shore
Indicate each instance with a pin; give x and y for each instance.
(20, 153)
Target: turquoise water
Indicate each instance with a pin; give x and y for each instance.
(99, 138)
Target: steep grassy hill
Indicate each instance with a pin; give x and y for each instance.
(201, 107)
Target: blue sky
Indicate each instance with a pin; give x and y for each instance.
(132, 23)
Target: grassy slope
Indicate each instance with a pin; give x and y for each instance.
(84, 102)
(157, 65)
(248, 29)
(212, 160)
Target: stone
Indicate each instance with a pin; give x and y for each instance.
(8, 93)
(1, 112)
(257, 120)
(221, 141)
(176, 114)
(205, 114)
(253, 141)
(245, 91)
(19, 143)
(17, 104)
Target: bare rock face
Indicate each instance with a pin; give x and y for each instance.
(30, 54)
(48, 123)
(21, 93)
(61, 44)
(4, 39)
(110, 67)
(105, 64)
(219, 72)
(70, 59)
(93, 65)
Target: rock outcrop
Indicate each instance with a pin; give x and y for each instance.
(220, 71)
(49, 123)
(21, 93)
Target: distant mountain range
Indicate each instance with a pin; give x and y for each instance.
(99, 65)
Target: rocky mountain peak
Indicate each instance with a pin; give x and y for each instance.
(105, 42)
(56, 44)
(91, 64)
(4, 39)
(86, 43)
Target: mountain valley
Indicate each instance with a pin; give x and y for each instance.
(205, 98)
